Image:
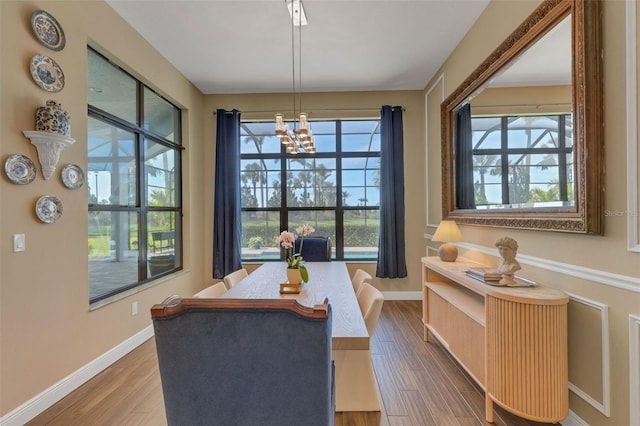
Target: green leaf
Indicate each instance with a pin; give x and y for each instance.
(304, 274)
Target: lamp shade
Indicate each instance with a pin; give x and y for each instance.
(447, 232)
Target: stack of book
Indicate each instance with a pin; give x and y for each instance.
(485, 274)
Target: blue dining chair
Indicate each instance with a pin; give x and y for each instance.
(315, 249)
(245, 362)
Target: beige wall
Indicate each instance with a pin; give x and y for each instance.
(601, 273)
(46, 329)
(44, 295)
(343, 105)
(523, 100)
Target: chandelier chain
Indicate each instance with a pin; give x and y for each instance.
(299, 138)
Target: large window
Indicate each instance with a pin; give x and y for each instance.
(523, 160)
(337, 189)
(133, 179)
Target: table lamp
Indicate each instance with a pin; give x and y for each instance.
(447, 232)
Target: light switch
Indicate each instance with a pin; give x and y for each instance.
(19, 243)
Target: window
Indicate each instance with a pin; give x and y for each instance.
(337, 189)
(133, 179)
(520, 160)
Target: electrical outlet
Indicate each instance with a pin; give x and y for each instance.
(19, 243)
(134, 308)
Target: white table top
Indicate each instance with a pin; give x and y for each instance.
(326, 279)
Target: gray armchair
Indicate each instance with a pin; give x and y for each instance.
(245, 362)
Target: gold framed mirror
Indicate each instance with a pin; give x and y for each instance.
(527, 151)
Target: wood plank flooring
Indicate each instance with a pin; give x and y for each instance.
(419, 383)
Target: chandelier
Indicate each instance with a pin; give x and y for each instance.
(299, 138)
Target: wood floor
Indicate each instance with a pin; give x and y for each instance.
(420, 385)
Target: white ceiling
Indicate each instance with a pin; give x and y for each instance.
(546, 62)
(245, 46)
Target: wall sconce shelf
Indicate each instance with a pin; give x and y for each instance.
(49, 146)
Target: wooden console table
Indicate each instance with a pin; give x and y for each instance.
(511, 340)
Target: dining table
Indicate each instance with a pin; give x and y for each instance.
(355, 383)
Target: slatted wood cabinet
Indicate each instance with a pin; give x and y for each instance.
(511, 340)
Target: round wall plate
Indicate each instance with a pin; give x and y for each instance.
(20, 169)
(47, 73)
(49, 208)
(72, 176)
(48, 30)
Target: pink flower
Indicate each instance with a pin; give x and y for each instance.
(286, 239)
(305, 230)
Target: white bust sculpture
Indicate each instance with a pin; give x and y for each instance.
(508, 248)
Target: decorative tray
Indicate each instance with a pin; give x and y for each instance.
(289, 288)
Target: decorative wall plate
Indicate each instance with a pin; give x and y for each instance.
(47, 73)
(49, 208)
(72, 176)
(20, 169)
(47, 30)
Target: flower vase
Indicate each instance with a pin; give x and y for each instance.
(294, 282)
(293, 276)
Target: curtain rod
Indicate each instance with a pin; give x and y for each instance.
(314, 109)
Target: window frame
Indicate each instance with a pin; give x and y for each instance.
(504, 152)
(340, 208)
(141, 207)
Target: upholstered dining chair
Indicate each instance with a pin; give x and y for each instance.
(245, 362)
(235, 277)
(314, 248)
(358, 278)
(370, 300)
(215, 290)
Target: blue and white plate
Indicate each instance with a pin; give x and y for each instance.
(72, 176)
(49, 208)
(20, 169)
(47, 73)
(47, 30)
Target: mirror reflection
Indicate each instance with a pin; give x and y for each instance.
(518, 131)
(522, 135)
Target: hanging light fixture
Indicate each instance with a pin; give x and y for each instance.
(300, 138)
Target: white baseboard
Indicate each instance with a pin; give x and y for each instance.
(64, 387)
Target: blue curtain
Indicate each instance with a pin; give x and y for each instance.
(465, 191)
(391, 253)
(226, 204)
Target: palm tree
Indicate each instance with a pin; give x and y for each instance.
(255, 173)
(302, 179)
(481, 163)
(540, 195)
(325, 189)
(276, 196)
(258, 141)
